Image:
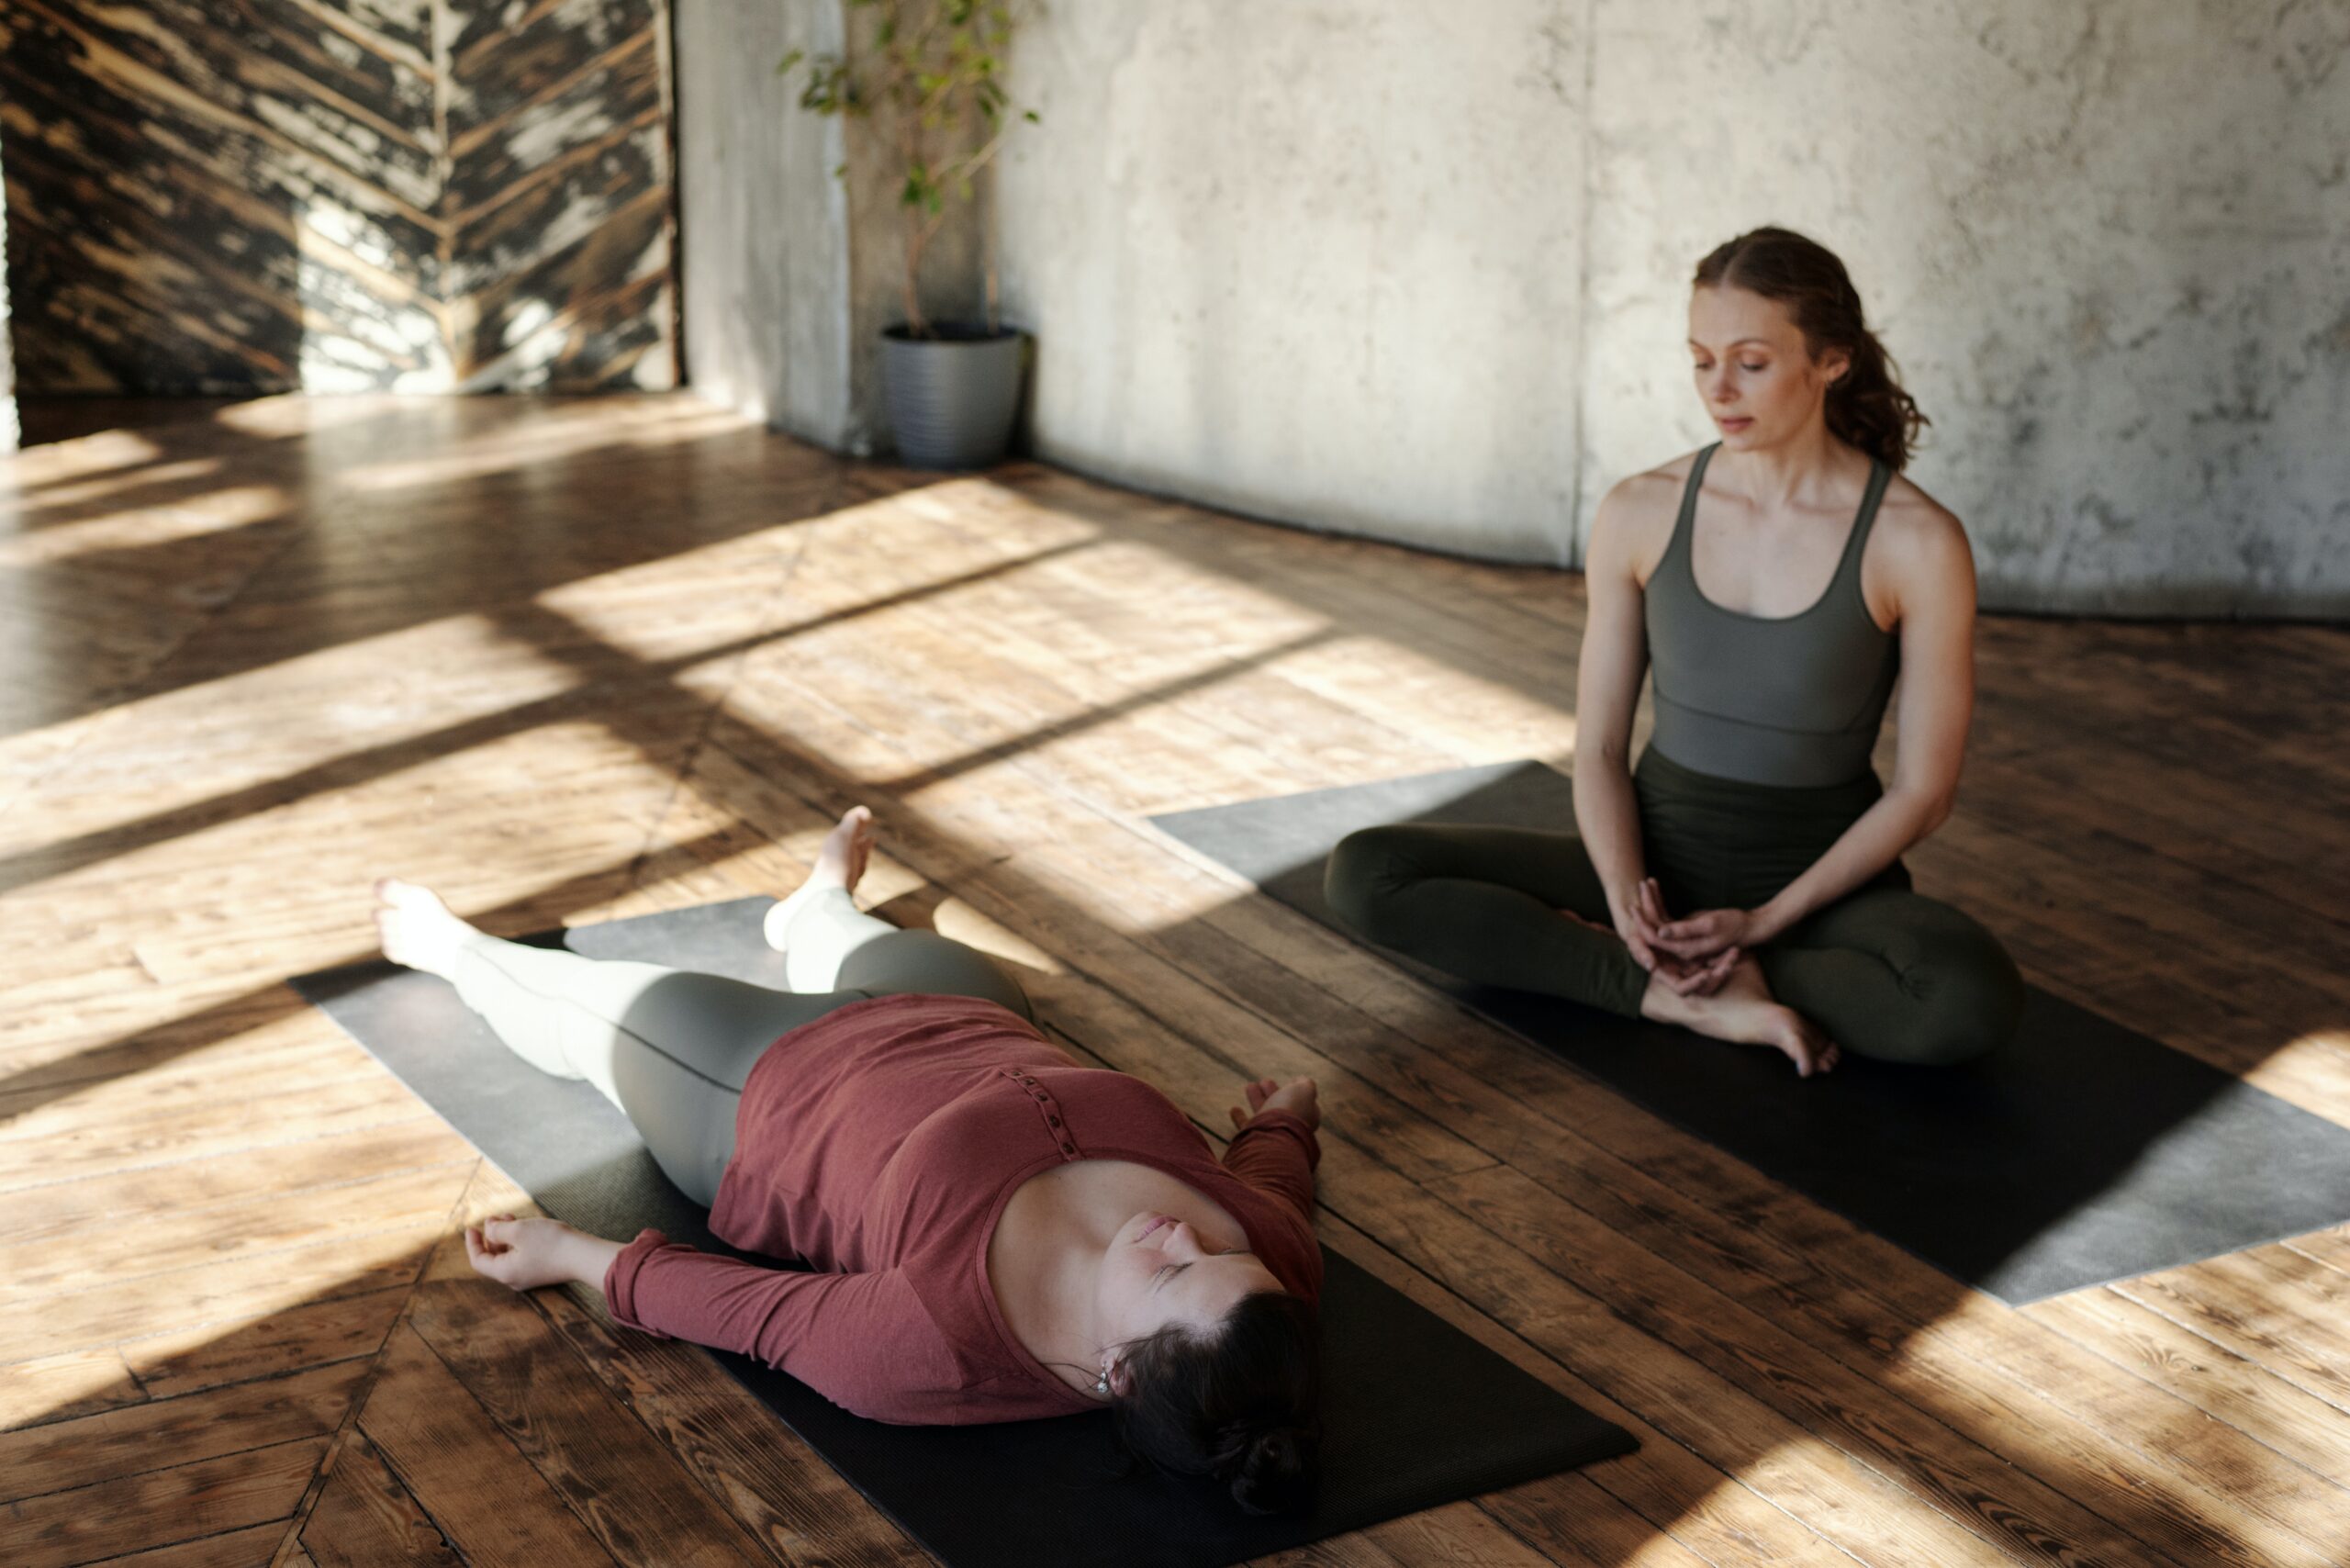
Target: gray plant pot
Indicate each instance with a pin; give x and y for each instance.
(952, 397)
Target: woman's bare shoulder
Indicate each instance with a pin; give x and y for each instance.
(1920, 545)
(1639, 508)
(1652, 487)
(1916, 523)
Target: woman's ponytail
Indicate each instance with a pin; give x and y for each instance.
(1240, 1403)
(1272, 1467)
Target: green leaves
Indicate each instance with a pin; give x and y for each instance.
(928, 74)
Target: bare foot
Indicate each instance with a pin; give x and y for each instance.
(840, 864)
(1744, 1012)
(417, 928)
(846, 849)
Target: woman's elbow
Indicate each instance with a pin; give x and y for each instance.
(1935, 810)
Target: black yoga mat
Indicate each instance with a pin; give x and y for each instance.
(1416, 1413)
(2080, 1153)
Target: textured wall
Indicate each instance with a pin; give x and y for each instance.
(792, 273)
(765, 253)
(1318, 264)
(1374, 269)
(330, 195)
(2109, 243)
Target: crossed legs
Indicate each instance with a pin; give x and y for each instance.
(1884, 972)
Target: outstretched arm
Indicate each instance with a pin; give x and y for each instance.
(861, 1340)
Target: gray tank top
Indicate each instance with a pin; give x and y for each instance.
(1790, 700)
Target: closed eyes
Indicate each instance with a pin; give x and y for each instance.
(1169, 1270)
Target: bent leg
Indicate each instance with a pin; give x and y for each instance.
(671, 1048)
(830, 945)
(1482, 904)
(1892, 974)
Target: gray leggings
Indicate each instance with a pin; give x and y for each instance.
(672, 1047)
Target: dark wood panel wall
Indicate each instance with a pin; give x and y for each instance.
(7, 361)
(259, 195)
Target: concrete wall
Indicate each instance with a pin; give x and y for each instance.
(765, 248)
(1316, 264)
(790, 274)
(1420, 272)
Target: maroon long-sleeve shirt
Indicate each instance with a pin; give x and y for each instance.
(879, 1144)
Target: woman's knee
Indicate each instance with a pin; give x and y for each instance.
(1969, 998)
(1365, 870)
(919, 960)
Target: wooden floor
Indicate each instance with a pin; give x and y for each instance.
(573, 660)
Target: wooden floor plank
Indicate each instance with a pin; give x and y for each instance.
(463, 1471)
(159, 1509)
(142, 1194)
(365, 1518)
(274, 1223)
(2262, 1304)
(2239, 1393)
(245, 1548)
(61, 1455)
(222, 1295)
(632, 1491)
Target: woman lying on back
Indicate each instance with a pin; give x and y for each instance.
(997, 1233)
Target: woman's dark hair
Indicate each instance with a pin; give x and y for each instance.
(1241, 1402)
(1866, 406)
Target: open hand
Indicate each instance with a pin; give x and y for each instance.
(521, 1253)
(1297, 1097)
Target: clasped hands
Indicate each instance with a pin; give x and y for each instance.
(1692, 954)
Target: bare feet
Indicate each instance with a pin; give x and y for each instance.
(840, 864)
(417, 928)
(1743, 1013)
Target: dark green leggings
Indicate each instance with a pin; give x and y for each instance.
(1885, 971)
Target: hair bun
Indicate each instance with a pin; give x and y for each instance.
(1276, 1469)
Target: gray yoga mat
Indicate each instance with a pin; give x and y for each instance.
(2080, 1153)
(1417, 1415)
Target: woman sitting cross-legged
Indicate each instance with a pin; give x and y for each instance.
(998, 1233)
(1744, 879)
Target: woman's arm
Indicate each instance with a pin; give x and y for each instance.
(1274, 1147)
(863, 1341)
(1608, 690)
(1932, 574)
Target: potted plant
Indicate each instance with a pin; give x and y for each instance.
(927, 77)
